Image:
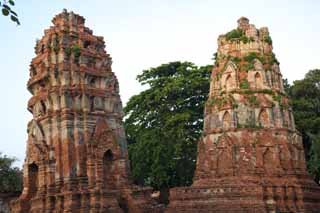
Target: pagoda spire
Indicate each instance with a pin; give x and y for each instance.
(251, 157)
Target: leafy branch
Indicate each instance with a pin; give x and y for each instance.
(7, 11)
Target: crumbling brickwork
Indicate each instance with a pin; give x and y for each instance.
(77, 157)
(251, 157)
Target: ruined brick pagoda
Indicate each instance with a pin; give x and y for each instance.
(251, 157)
(76, 150)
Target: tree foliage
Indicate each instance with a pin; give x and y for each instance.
(164, 122)
(305, 98)
(6, 9)
(10, 177)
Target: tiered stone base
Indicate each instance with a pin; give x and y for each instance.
(113, 201)
(278, 194)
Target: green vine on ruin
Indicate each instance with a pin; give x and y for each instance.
(244, 84)
(234, 34)
(253, 101)
(221, 101)
(267, 39)
(75, 50)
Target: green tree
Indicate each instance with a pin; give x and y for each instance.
(305, 98)
(164, 122)
(10, 177)
(6, 9)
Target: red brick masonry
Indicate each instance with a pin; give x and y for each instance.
(77, 158)
(251, 157)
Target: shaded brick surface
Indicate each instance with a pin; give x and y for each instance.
(251, 157)
(76, 159)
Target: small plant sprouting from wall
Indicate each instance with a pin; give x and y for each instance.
(248, 66)
(267, 39)
(244, 39)
(234, 34)
(236, 60)
(75, 50)
(244, 84)
(222, 101)
(253, 101)
(250, 57)
(56, 49)
(68, 51)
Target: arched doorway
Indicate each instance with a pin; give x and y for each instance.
(258, 81)
(269, 162)
(108, 179)
(228, 84)
(226, 120)
(33, 179)
(264, 118)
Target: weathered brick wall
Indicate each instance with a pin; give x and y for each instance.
(251, 157)
(77, 157)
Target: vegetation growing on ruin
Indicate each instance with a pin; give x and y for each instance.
(234, 34)
(244, 39)
(221, 101)
(236, 60)
(267, 39)
(238, 35)
(56, 49)
(76, 51)
(253, 101)
(244, 84)
(68, 51)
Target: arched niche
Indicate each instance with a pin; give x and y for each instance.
(268, 161)
(229, 76)
(224, 155)
(92, 82)
(229, 82)
(226, 120)
(258, 81)
(224, 162)
(108, 159)
(231, 67)
(43, 107)
(91, 102)
(33, 179)
(263, 118)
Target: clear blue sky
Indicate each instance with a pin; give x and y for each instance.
(145, 33)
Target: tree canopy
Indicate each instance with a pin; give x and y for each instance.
(164, 122)
(6, 9)
(10, 177)
(305, 101)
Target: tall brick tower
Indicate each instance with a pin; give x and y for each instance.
(251, 157)
(76, 150)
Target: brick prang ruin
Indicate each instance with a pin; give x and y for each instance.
(77, 158)
(251, 157)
